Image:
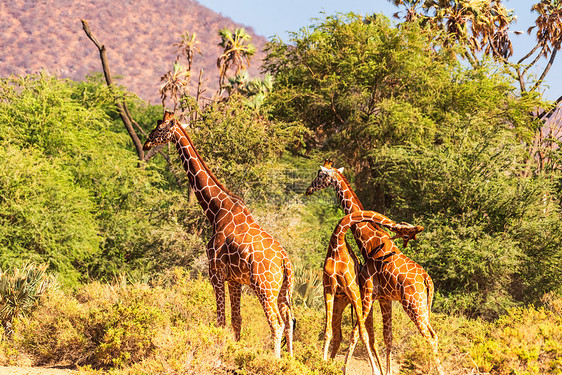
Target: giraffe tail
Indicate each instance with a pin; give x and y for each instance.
(288, 286)
(430, 290)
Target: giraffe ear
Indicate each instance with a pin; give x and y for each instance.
(340, 170)
(324, 169)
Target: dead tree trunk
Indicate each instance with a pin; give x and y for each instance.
(119, 103)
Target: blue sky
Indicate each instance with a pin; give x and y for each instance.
(270, 18)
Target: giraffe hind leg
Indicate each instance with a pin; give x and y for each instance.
(386, 311)
(285, 308)
(273, 315)
(360, 330)
(340, 304)
(235, 291)
(420, 317)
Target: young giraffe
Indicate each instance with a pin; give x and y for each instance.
(400, 278)
(341, 269)
(239, 251)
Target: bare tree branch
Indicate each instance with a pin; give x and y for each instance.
(127, 121)
(546, 69)
(529, 54)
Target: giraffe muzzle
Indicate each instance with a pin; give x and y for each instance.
(147, 146)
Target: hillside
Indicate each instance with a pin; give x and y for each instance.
(138, 34)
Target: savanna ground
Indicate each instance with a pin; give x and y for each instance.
(168, 326)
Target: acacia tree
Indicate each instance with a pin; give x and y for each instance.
(429, 140)
(482, 27)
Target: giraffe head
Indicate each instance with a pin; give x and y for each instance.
(327, 176)
(163, 132)
(407, 232)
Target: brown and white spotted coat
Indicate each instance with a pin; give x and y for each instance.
(340, 276)
(239, 251)
(388, 275)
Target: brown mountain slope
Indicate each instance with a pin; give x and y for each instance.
(138, 34)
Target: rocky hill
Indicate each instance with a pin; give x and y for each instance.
(138, 34)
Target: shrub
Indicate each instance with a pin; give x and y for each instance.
(20, 290)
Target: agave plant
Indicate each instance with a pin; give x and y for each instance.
(20, 290)
(308, 287)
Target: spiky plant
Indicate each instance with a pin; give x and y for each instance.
(20, 290)
(308, 287)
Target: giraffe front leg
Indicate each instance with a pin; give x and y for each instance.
(339, 307)
(235, 290)
(218, 286)
(386, 311)
(329, 301)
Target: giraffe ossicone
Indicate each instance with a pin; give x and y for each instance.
(239, 251)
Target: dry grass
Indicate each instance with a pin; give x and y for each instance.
(168, 326)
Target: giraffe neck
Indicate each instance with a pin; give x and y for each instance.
(346, 196)
(210, 193)
(350, 203)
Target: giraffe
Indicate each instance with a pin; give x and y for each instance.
(400, 278)
(239, 251)
(340, 281)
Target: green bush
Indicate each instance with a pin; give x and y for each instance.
(72, 194)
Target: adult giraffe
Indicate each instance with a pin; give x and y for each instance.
(398, 278)
(340, 277)
(239, 251)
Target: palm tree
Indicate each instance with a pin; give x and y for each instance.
(411, 5)
(187, 47)
(549, 37)
(236, 55)
(175, 84)
(478, 25)
(482, 26)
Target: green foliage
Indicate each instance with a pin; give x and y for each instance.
(431, 142)
(73, 195)
(244, 148)
(524, 340)
(44, 216)
(361, 85)
(482, 218)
